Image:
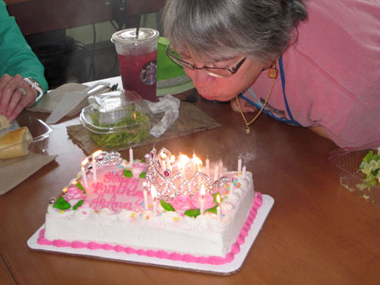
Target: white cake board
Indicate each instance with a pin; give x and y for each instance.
(225, 269)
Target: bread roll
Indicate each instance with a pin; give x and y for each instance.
(4, 123)
(15, 143)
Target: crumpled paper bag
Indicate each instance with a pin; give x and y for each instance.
(170, 106)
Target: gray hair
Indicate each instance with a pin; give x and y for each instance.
(221, 29)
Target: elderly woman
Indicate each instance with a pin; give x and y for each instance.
(22, 80)
(312, 63)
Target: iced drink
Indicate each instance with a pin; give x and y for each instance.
(137, 57)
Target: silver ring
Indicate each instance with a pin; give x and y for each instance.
(23, 91)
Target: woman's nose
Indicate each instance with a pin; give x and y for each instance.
(200, 78)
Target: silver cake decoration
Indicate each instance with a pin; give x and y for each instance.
(170, 185)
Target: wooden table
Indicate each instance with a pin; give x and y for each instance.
(317, 232)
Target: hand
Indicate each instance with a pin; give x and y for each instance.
(245, 106)
(15, 95)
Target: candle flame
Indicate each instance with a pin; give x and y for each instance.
(172, 159)
(96, 153)
(134, 115)
(85, 161)
(218, 199)
(197, 161)
(183, 158)
(163, 156)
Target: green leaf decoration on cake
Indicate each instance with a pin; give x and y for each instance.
(142, 175)
(127, 173)
(80, 186)
(193, 213)
(77, 205)
(167, 206)
(62, 204)
(212, 210)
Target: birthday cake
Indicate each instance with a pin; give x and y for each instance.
(164, 207)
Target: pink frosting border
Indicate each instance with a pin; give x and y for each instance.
(213, 260)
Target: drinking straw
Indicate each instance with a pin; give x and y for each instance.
(138, 26)
(137, 32)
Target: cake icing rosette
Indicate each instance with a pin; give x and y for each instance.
(84, 213)
(58, 213)
(215, 224)
(106, 214)
(226, 207)
(232, 197)
(172, 219)
(127, 216)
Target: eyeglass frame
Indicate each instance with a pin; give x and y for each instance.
(191, 66)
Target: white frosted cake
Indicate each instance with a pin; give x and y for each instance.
(162, 207)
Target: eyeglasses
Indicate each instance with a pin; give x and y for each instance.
(212, 71)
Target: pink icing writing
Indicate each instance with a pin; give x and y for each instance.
(213, 260)
(100, 202)
(128, 188)
(116, 192)
(115, 177)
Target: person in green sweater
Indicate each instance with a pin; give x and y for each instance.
(22, 81)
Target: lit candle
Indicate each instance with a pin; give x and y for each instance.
(130, 156)
(153, 192)
(94, 155)
(208, 167)
(218, 208)
(231, 187)
(182, 161)
(244, 171)
(202, 201)
(198, 164)
(84, 177)
(172, 160)
(163, 161)
(216, 173)
(239, 164)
